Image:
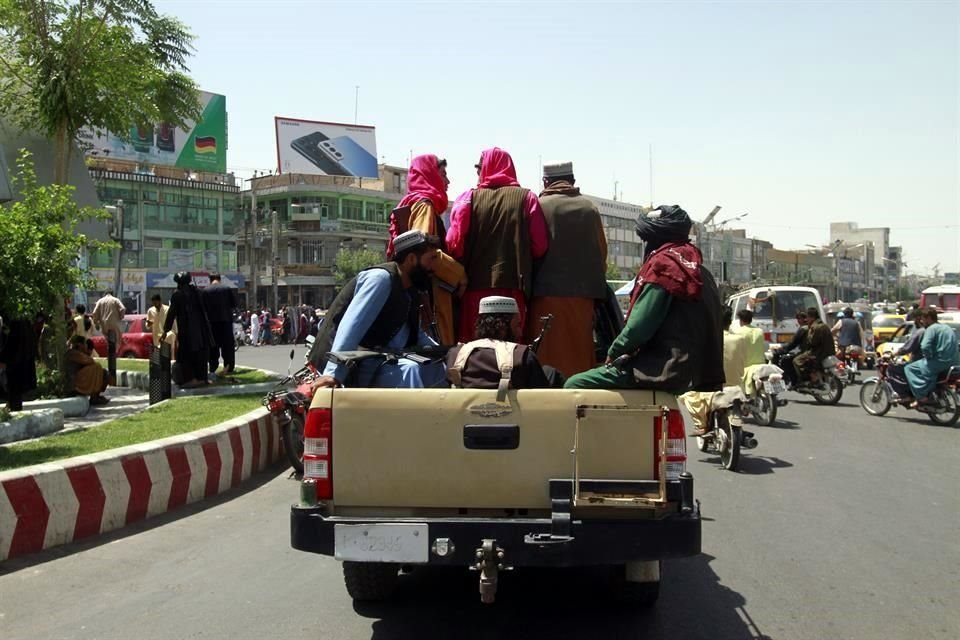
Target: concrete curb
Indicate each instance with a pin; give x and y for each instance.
(226, 390)
(46, 505)
(138, 380)
(77, 406)
(32, 424)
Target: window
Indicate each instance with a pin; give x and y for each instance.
(352, 210)
(311, 251)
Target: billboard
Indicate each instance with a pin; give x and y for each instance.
(326, 148)
(201, 146)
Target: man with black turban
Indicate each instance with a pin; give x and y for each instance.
(673, 337)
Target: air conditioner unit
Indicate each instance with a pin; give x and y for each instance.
(131, 245)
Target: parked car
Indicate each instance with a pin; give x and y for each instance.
(136, 341)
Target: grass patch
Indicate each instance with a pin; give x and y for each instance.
(128, 364)
(243, 375)
(178, 416)
(246, 376)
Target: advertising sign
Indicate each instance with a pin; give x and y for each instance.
(201, 146)
(326, 148)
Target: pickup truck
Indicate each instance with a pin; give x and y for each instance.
(495, 480)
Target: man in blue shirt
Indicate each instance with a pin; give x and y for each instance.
(939, 348)
(380, 309)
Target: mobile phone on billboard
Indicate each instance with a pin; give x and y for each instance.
(351, 156)
(165, 137)
(142, 138)
(309, 147)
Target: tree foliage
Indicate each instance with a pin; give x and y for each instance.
(40, 245)
(103, 64)
(350, 262)
(613, 272)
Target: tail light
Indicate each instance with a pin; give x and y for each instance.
(318, 451)
(767, 336)
(676, 449)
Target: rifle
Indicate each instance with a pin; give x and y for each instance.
(545, 322)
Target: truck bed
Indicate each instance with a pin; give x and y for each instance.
(458, 449)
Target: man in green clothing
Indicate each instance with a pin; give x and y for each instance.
(673, 340)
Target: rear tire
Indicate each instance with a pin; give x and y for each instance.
(728, 441)
(833, 394)
(370, 581)
(766, 409)
(293, 442)
(635, 594)
(949, 416)
(875, 398)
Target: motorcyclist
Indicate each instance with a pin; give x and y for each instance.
(818, 345)
(785, 354)
(848, 331)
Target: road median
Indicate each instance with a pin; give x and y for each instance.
(50, 504)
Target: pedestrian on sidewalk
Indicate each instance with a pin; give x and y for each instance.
(220, 302)
(255, 329)
(194, 338)
(107, 314)
(18, 359)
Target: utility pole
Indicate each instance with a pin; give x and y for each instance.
(118, 273)
(275, 240)
(356, 103)
(254, 275)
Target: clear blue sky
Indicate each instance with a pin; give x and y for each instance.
(799, 113)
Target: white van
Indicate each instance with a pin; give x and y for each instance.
(775, 309)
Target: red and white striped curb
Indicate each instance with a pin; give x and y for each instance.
(51, 504)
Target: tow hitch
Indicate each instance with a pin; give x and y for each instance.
(489, 564)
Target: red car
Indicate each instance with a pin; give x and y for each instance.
(136, 341)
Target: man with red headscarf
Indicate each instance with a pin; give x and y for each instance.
(496, 231)
(673, 338)
(420, 210)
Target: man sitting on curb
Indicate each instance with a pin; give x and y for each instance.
(88, 378)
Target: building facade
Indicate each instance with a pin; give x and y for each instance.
(316, 217)
(172, 221)
(624, 247)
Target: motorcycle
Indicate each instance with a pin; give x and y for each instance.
(762, 403)
(289, 409)
(727, 437)
(851, 363)
(877, 395)
(828, 390)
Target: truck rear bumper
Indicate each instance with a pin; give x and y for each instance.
(525, 541)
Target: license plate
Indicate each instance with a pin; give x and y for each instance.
(774, 387)
(784, 338)
(381, 542)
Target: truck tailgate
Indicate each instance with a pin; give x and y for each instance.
(407, 448)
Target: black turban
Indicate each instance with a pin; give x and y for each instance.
(666, 223)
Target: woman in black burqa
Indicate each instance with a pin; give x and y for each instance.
(18, 355)
(193, 331)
